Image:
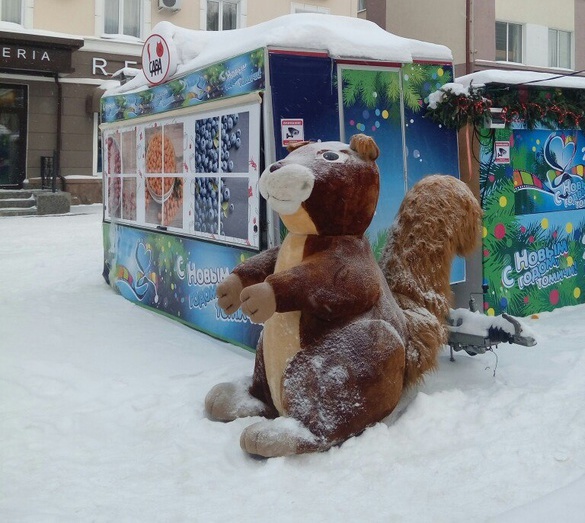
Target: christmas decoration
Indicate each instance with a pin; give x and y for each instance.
(455, 106)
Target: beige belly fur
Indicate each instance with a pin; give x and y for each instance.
(281, 339)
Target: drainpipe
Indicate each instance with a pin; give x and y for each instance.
(468, 50)
(57, 154)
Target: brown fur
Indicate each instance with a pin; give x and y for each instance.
(438, 219)
(342, 339)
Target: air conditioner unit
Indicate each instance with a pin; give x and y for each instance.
(171, 5)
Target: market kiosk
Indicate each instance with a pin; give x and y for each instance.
(186, 140)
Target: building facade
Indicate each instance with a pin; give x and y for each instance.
(533, 35)
(57, 56)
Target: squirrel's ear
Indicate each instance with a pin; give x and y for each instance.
(293, 146)
(364, 146)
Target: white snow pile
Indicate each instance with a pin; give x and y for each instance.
(464, 85)
(102, 415)
(340, 36)
(529, 78)
(468, 322)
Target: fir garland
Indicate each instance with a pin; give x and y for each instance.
(555, 108)
(454, 106)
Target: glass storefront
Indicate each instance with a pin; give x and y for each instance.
(13, 107)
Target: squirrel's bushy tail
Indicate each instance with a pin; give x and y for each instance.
(438, 219)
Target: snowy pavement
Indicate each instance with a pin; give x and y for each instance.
(102, 419)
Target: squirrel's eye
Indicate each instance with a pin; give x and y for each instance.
(330, 156)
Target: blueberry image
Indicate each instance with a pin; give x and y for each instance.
(226, 194)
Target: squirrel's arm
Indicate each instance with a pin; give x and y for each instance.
(256, 269)
(252, 271)
(329, 284)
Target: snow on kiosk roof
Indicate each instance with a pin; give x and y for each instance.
(342, 37)
(534, 79)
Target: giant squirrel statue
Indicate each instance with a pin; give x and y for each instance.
(343, 337)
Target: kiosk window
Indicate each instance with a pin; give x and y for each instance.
(195, 175)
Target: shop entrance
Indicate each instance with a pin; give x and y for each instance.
(13, 100)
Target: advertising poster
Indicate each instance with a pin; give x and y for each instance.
(163, 198)
(195, 175)
(371, 105)
(176, 276)
(430, 147)
(304, 100)
(236, 76)
(410, 148)
(534, 221)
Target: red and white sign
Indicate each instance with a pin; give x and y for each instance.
(292, 131)
(502, 152)
(158, 59)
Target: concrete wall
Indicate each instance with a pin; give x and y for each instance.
(438, 22)
(483, 40)
(557, 15)
(58, 15)
(444, 22)
(375, 12)
(77, 140)
(65, 16)
(580, 35)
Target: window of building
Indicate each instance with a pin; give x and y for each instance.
(508, 42)
(559, 48)
(123, 17)
(11, 11)
(307, 8)
(361, 5)
(222, 15)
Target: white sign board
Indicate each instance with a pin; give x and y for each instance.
(292, 131)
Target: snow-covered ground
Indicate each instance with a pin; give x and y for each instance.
(102, 419)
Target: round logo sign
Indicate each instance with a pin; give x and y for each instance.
(158, 61)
